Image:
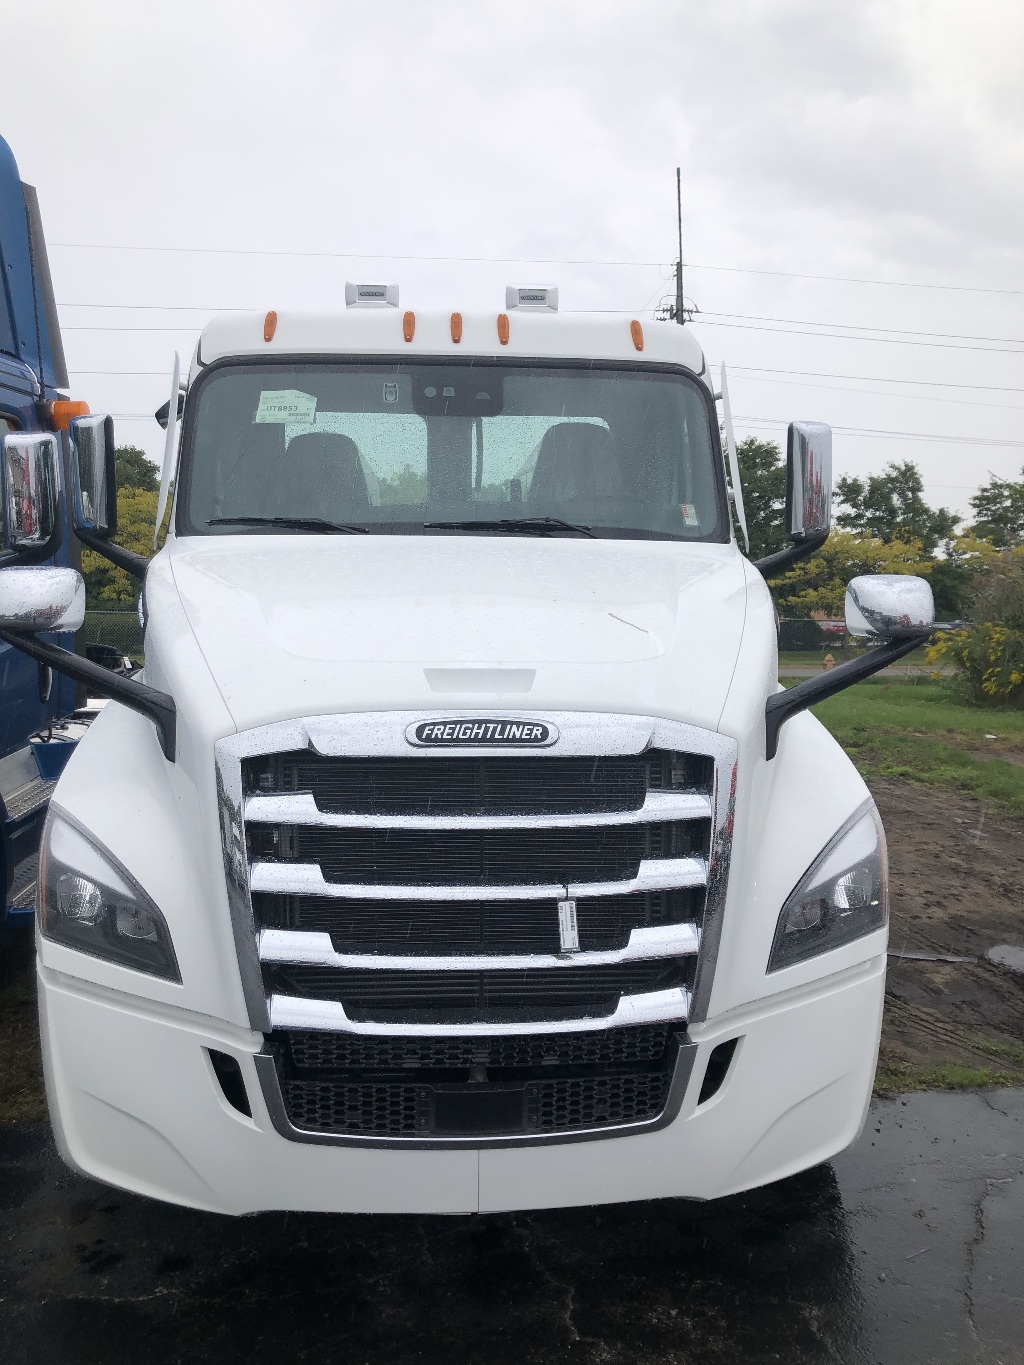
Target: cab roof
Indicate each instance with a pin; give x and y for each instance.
(384, 331)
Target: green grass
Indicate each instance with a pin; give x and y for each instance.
(919, 730)
(897, 1078)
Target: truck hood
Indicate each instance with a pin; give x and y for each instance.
(297, 625)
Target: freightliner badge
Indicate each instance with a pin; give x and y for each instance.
(516, 734)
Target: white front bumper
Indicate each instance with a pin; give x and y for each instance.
(134, 1102)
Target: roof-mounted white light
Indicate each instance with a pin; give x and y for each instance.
(371, 295)
(542, 297)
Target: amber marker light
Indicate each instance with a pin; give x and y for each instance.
(64, 410)
(456, 327)
(409, 326)
(637, 333)
(269, 326)
(503, 328)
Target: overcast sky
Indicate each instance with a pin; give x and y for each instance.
(270, 149)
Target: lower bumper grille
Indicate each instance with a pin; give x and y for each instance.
(501, 1087)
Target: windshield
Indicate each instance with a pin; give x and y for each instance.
(436, 447)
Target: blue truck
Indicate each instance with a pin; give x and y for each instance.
(35, 702)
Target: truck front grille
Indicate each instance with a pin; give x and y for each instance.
(463, 946)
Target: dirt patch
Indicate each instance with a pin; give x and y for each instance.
(957, 889)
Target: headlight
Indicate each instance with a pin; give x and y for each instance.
(88, 901)
(844, 896)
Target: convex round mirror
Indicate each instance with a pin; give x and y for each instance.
(37, 599)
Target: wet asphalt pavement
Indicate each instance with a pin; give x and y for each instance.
(908, 1248)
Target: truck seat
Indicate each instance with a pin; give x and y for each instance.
(321, 475)
(577, 461)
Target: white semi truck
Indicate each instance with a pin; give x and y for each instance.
(458, 848)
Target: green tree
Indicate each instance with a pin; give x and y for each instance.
(106, 586)
(999, 507)
(818, 584)
(763, 480)
(134, 469)
(890, 507)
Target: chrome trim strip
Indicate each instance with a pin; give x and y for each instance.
(270, 1085)
(306, 879)
(311, 948)
(301, 809)
(653, 1007)
(722, 829)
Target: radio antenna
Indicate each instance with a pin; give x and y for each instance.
(680, 311)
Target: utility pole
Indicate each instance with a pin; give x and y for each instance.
(680, 310)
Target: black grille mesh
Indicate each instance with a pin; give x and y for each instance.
(427, 785)
(444, 927)
(476, 857)
(472, 996)
(314, 1051)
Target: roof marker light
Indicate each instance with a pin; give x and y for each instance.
(370, 295)
(637, 333)
(62, 410)
(269, 326)
(542, 297)
(503, 328)
(409, 326)
(456, 327)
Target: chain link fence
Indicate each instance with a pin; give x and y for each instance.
(119, 630)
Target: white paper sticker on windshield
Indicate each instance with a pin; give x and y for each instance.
(285, 405)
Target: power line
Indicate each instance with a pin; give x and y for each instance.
(856, 327)
(523, 260)
(879, 341)
(881, 393)
(886, 379)
(901, 435)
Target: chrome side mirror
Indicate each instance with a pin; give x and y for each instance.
(887, 605)
(808, 480)
(94, 488)
(37, 599)
(30, 482)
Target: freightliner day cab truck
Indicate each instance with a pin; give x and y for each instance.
(458, 849)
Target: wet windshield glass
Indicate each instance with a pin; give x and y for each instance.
(402, 447)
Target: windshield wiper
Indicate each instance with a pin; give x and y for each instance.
(530, 525)
(292, 524)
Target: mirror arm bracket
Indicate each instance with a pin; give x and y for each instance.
(147, 701)
(132, 563)
(783, 705)
(773, 565)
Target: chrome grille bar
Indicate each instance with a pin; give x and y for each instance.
(653, 1007)
(314, 948)
(301, 809)
(307, 879)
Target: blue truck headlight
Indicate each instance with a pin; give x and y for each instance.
(88, 901)
(843, 896)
